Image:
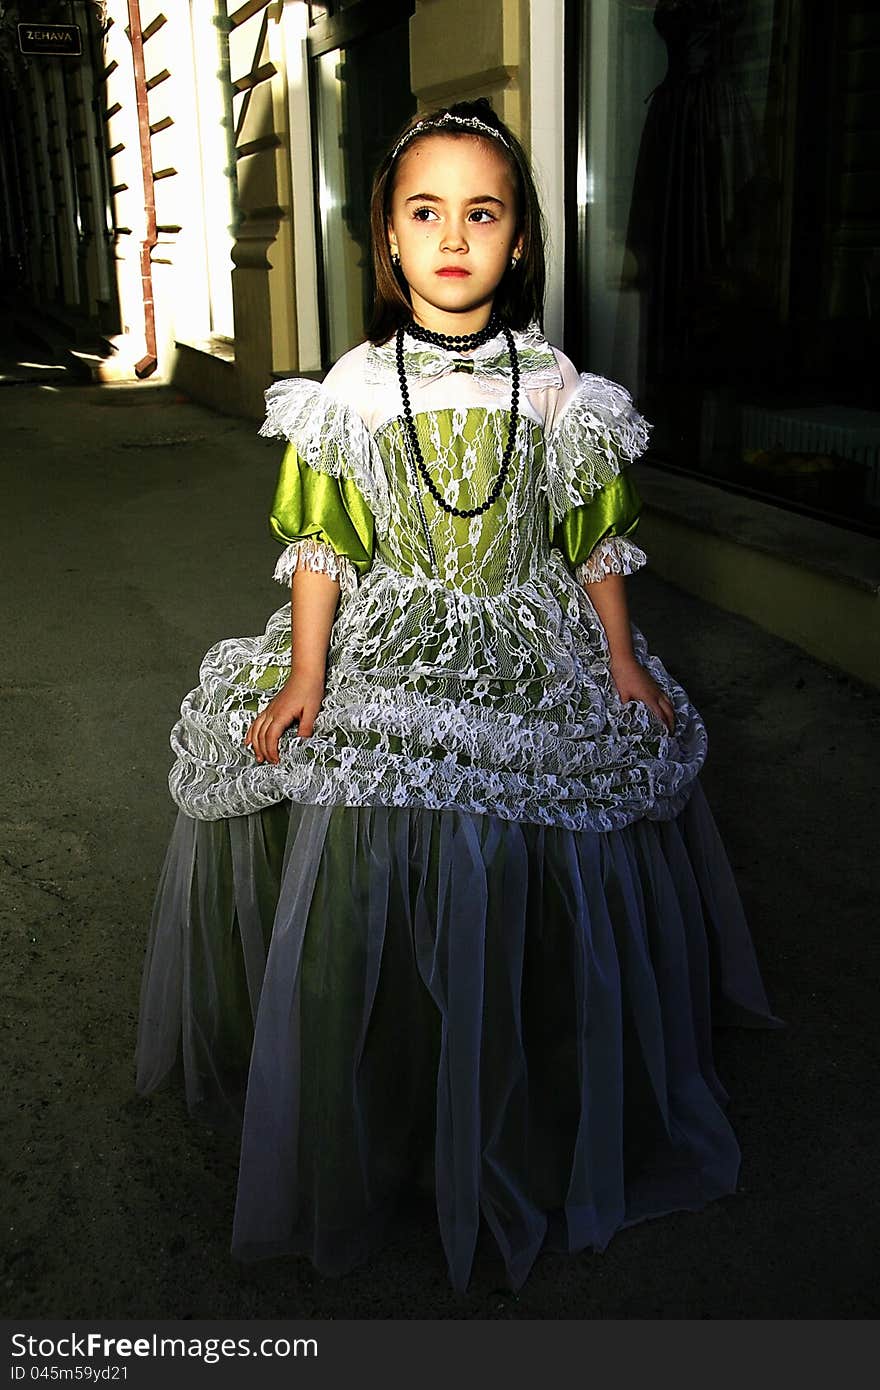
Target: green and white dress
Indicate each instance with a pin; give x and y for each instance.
(474, 930)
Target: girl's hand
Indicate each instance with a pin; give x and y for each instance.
(299, 698)
(635, 683)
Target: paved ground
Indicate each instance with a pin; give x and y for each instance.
(135, 536)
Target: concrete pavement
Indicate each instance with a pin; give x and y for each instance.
(135, 535)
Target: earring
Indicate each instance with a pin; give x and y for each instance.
(514, 262)
(395, 258)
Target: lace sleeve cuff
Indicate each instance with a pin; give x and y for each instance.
(312, 554)
(613, 555)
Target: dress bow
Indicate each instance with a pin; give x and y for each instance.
(489, 362)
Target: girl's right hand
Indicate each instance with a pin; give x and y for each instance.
(298, 699)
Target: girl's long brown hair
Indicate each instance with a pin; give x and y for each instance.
(519, 298)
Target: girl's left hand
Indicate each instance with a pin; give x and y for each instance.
(635, 683)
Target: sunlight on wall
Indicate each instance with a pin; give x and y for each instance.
(216, 160)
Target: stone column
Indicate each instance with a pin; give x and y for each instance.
(460, 50)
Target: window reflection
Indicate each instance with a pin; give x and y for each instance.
(727, 194)
(362, 96)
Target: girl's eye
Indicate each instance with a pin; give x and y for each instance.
(482, 214)
(423, 214)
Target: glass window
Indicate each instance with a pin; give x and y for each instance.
(361, 96)
(725, 234)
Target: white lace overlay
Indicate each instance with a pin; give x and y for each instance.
(469, 667)
(312, 554)
(509, 710)
(613, 555)
(598, 433)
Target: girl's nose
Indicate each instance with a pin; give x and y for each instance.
(454, 238)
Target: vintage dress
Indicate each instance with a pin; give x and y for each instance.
(474, 923)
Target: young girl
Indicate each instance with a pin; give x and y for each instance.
(445, 904)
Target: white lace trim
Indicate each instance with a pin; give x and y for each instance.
(329, 437)
(613, 555)
(312, 554)
(598, 433)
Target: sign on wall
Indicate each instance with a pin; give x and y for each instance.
(50, 38)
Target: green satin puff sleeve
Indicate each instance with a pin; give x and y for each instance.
(594, 505)
(613, 511)
(332, 510)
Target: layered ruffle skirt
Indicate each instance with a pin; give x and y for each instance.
(518, 1015)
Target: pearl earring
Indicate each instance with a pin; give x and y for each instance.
(395, 258)
(514, 262)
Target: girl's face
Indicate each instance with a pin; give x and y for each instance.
(453, 224)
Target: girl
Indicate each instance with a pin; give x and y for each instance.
(445, 904)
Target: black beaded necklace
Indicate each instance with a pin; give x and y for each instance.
(464, 342)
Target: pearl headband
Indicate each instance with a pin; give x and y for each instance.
(431, 124)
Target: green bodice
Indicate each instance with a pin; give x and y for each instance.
(483, 555)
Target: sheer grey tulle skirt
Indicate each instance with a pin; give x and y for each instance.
(521, 1016)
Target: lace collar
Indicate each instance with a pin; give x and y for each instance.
(490, 362)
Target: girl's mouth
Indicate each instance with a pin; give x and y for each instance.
(455, 271)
